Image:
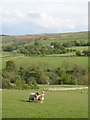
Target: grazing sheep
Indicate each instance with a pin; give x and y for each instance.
(33, 96)
(41, 97)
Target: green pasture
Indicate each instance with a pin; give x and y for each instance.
(7, 54)
(51, 61)
(62, 55)
(10, 55)
(79, 48)
(57, 104)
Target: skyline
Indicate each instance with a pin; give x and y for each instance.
(32, 17)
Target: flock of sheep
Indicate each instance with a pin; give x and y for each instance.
(36, 97)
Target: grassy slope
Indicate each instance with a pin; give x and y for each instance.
(57, 104)
(80, 48)
(65, 104)
(52, 61)
(79, 36)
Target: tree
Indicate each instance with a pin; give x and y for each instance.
(86, 52)
(8, 48)
(78, 70)
(82, 80)
(78, 53)
(23, 51)
(10, 66)
(54, 79)
(16, 77)
(66, 65)
(73, 80)
(37, 43)
(32, 83)
(8, 74)
(5, 83)
(66, 79)
(21, 72)
(20, 84)
(44, 79)
(61, 73)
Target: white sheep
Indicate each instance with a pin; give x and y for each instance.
(41, 97)
(33, 96)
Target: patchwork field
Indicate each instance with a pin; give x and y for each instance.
(53, 61)
(57, 104)
(78, 36)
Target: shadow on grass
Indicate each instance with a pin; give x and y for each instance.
(25, 101)
(28, 101)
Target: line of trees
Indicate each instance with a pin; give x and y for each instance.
(30, 77)
(75, 43)
(54, 48)
(83, 53)
(36, 49)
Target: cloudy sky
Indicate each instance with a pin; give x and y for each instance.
(19, 17)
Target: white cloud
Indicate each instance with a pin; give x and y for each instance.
(48, 21)
(70, 24)
(44, 16)
(44, 1)
(40, 19)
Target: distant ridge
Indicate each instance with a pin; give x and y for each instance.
(45, 34)
(4, 35)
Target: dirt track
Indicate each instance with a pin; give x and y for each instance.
(55, 89)
(13, 58)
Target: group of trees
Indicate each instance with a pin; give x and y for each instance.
(17, 78)
(36, 49)
(64, 45)
(12, 47)
(83, 53)
(54, 48)
(30, 77)
(75, 43)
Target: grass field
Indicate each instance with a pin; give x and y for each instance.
(69, 54)
(57, 104)
(5, 54)
(80, 48)
(50, 61)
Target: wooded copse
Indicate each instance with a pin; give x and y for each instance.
(29, 78)
(54, 48)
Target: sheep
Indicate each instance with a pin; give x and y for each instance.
(33, 96)
(41, 97)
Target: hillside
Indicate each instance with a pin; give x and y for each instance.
(46, 38)
(29, 60)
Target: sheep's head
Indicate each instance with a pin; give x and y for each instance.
(43, 92)
(37, 93)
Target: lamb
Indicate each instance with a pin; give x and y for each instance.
(33, 96)
(41, 97)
